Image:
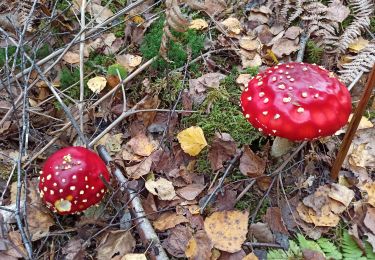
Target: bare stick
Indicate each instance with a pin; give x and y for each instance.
(81, 66)
(227, 171)
(302, 46)
(352, 128)
(143, 225)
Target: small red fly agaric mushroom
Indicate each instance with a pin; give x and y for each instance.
(296, 101)
(70, 180)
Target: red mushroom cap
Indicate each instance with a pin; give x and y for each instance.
(297, 101)
(70, 180)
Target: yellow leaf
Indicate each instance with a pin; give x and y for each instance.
(250, 256)
(192, 248)
(232, 24)
(168, 220)
(358, 45)
(138, 19)
(198, 24)
(97, 84)
(162, 188)
(227, 229)
(369, 188)
(192, 140)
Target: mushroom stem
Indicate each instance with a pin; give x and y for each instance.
(352, 128)
(144, 227)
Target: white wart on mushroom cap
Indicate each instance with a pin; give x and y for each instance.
(297, 101)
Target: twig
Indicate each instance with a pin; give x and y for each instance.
(355, 80)
(143, 225)
(227, 171)
(302, 46)
(81, 66)
(252, 182)
(255, 244)
(353, 125)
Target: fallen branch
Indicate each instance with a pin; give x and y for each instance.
(143, 225)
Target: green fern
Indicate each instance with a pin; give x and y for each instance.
(369, 251)
(329, 249)
(308, 244)
(350, 249)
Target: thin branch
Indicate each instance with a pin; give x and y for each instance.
(81, 67)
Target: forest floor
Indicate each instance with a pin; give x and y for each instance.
(156, 86)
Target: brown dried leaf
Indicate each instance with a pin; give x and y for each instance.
(71, 57)
(168, 220)
(369, 220)
(243, 80)
(222, 149)
(198, 24)
(311, 254)
(199, 246)
(341, 193)
(249, 44)
(284, 47)
(100, 13)
(239, 255)
(275, 221)
(262, 232)
(337, 12)
(141, 145)
(134, 257)
(139, 169)
(292, 32)
(233, 25)
(74, 250)
(369, 189)
(15, 248)
(191, 191)
(115, 243)
(162, 188)
(129, 61)
(151, 102)
(250, 256)
(251, 165)
(227, 229)
(177, 240)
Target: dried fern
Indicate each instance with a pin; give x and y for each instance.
(14, 14)
(175, 20)
(363, 62)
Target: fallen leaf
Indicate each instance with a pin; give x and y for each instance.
(262, 232)
(141, 145)
(100, 13)
(251, 165)
(71, 57)
(243, 80)
(369, 220)
(239, 255)
(97, 84)
(369, 196)
(227, 229)
(233, 25)
(371, 240)
(341, 193)
(222, 149)
(337, 12)
(134, 257)
(192, 140)
(246, 62)
(292, 32)
(225, 200)
(281, 146)
(140, 169)
(249, 44)
(151, 102)
(199, 246)
(177, 240)
(358, 45)
(129, 61)
(250, 256)
(115, 243)
(191, 191)
(284, 47)
(275, 221)
(198, 24)
(162, 188)
(74, 250)
(15, 246)
(362, 149)
(38, 217)
(309, 254)
(168, 220)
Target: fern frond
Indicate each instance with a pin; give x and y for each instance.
(308, 244)
(369, 251)
(329, 249)
(362, 63)
(350, 249)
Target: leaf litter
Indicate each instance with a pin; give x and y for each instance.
(175, 165)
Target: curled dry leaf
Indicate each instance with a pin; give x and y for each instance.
(251, 165)
(222, 149)
(369, 220)
(227, 229)
(199, 246)
(337, 12)
(262, 232)
(100, 13)
(115, 243)
(243, 80)
(134, 257)
(249, 43)
(368, 192)
(139, 169)
(71, 57)
(191, 191)
(233, 25)
(284, 47)
(97, 84)
(192, 140)
(168, 220)
(141, 145)
(162, 188)
(198, 24)
(129, 61)
(177, 240)
(362, 150)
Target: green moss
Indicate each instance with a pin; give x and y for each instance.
(177, 54)
(314, 52)
(43, 51)
(225, 115)
(100, 62)
(372, 24)
(112, 70)
(63, 5)
(3, 51)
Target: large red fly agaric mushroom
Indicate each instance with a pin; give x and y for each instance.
(70, 180)
(296, 101)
